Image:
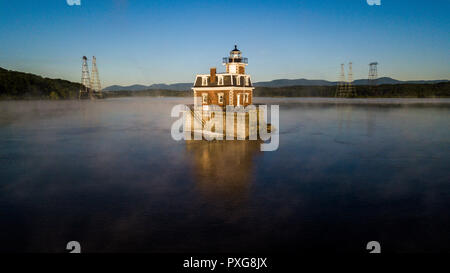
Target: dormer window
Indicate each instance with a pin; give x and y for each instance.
(238, 80)
(247, 81)
(204, 81)
(220, 80)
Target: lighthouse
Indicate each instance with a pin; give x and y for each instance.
(223, 106)
(232, 87)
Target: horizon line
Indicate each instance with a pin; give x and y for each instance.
(150, 84)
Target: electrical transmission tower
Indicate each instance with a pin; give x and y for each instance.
(345, 88)
(373, 73)
(85, 80)
(340, 92)
(90, 87)
(350, 86)
(95, 80)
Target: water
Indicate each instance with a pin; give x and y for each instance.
(108, 174)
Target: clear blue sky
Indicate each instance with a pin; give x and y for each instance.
(147, 42)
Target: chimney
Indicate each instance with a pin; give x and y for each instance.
(213, 75)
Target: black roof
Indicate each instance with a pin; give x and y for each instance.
(235, 48)
(226, 81)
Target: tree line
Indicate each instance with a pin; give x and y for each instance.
(436, 90)
(18, 85)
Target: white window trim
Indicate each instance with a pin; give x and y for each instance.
(204, 81)
(205, 98)
(220, 98)
(238, 80)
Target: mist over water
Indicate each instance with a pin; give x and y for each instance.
(108, 174)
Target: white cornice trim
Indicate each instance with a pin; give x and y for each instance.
(223, 74)
(214, 88)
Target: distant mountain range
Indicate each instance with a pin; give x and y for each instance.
(274, 83)
(305, 82)
(161, 86)
(18, 85)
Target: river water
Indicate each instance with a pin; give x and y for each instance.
(108, 174)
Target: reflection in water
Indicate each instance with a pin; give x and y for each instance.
(223, 171)
(344, 116)
(108, 174)
(345, 113)
(370, 123)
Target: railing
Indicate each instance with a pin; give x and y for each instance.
(227, 60)
(198, 117)
(196, 114)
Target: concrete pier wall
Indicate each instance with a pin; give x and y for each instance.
(215, 122)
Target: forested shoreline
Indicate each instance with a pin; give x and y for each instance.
(25, 86)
